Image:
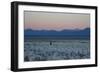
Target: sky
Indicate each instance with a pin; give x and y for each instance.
(55, 20)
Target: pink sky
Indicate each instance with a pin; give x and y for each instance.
(55, 21)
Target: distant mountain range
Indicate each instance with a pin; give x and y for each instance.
(76, 33)
(85, 31)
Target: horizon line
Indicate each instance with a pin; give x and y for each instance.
(55, 29)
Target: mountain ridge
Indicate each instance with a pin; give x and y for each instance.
(31, 32)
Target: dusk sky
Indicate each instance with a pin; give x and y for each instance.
(55, 21)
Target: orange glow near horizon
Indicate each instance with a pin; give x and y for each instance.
(55, 21)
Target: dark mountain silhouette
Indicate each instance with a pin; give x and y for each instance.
(53, 33)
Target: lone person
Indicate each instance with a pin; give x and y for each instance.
(50, 42)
